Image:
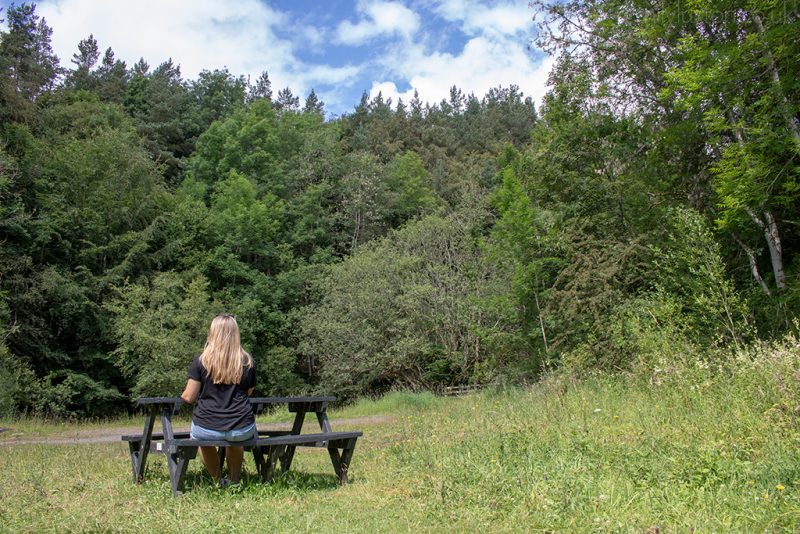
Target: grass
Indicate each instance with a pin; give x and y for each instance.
(713, 452)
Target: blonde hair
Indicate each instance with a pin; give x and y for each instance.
(223, 356)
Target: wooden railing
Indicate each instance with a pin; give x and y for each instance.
(454, 391)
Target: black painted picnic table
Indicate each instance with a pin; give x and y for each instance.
(166, 407)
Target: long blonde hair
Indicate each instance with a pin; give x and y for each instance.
(223, 356)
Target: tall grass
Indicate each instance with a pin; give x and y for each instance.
(705, 446)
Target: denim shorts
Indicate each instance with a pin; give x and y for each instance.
(237, 434)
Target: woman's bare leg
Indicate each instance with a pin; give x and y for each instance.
(235, 456)
(210, 458)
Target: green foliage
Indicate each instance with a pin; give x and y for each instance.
(520, 249)
(247, 226)
(690, 268)
(28, 66)
(399, 312)
(68, 394)
(163, 110)
(409, 189)
(404, 244)
(160, 326)
(640, 335)
(18, 384)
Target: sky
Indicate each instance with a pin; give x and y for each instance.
(339, 48)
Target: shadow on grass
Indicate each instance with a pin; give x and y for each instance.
(292, 481)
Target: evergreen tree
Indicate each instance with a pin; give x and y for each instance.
(286, 100)
(261, 89)
(314, 104)
(28, 66)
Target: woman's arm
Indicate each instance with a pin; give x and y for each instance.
(250, 392)
(191, 392)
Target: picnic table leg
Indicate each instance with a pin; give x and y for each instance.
(324, 424)
(166, 424)
(177, 462)
(288, 455)
(268, 470)
(258, 457)
(139, 449)
(221, 453)
(341, 461)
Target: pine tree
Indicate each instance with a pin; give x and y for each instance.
(28, 66)
(314, 104)
(261, 89)
(286, 101)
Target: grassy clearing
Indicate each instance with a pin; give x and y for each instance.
(710, 451)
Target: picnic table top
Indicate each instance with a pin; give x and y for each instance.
(253, 400)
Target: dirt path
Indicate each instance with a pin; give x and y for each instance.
(110, 435)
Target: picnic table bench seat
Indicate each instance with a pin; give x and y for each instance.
(266, 451)
(269, 447)
(158, 436)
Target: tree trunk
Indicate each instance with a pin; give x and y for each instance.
(753, 266)
(768, 225)
(792, 123)
(541, 321)
(775, 249)
(772, 234)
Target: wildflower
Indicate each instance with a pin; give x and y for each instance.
(597, 410)
(780, 487)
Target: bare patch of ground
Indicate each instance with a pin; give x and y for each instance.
(110, 435)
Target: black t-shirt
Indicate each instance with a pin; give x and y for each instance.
(222, 407)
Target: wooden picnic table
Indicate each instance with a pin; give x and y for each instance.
(268, 447)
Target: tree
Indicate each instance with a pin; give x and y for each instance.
(165, 115)
(409, 192)
(160, 327)
(314, 104)
(28, 66)
(97, 197)
(217, 95)
(84, 60)
(754, 124)
(112, 78)
(261, 89)
(711, 79)
(400, 312)
(286, 100)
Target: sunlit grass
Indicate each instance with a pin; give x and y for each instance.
(600, 455)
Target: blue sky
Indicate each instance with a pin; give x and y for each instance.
(340, 48)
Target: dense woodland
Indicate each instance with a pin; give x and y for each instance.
(646, 209)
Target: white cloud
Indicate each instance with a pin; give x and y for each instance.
(496, 54)
(477, 18)
(481, 66)
(379, 19)
(197, 34)
(249, 36)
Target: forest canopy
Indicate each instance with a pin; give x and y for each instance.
(646, 209)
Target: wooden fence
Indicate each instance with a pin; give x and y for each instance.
(454, 391)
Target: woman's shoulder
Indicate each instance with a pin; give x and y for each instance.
(197, 364)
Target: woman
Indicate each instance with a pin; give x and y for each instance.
(221, 379)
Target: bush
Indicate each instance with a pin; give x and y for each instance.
(18, 384)
(159, 328)
(400, 312)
